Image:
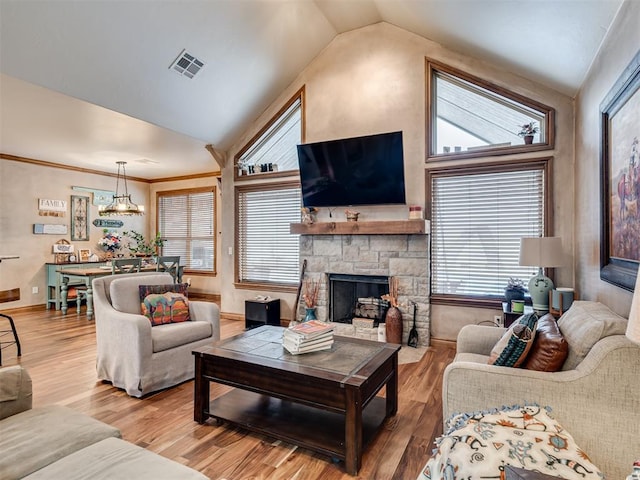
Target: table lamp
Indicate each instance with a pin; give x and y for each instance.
(541, 252)
(633, 327)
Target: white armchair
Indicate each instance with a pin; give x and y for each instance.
(133, 355)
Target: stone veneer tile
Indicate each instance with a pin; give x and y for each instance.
(389, 243)
(407, 267)
(327, 247)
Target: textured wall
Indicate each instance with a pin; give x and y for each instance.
(372, 80)
(619, 47)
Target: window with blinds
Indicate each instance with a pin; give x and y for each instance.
(477, 220)
(267, 252)
(186, 220)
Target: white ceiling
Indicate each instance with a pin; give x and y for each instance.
(97, 58)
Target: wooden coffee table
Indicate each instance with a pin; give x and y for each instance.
(324, 401)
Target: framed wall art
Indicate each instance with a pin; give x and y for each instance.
(79, 218)
(620, 180)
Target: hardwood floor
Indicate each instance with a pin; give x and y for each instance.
(59, 353)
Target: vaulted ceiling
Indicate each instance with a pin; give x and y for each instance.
(88, 83)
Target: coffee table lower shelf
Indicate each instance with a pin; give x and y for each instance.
(313, 428)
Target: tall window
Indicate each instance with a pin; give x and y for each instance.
(267, 254)
(470, 117)
(186, 220)
(478, 215)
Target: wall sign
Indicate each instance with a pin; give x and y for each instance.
(100, 197)
(51, 208)
(107, 223)
(48, 229)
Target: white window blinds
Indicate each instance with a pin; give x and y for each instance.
(186, 221)
(267, 252)
(477, 222)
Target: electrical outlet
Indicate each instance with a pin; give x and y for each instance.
(34, 290)
(497, 319)
(230, 250)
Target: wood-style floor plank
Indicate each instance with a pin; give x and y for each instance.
(59, 352)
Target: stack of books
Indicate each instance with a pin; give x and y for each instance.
(306, 337)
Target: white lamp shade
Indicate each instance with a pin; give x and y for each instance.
(633, 327)
(541, 252)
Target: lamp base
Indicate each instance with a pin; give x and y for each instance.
(539, 287)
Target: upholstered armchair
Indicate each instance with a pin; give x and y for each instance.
(594, 395)
(136, 356)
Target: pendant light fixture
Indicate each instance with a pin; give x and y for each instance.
(121, 203)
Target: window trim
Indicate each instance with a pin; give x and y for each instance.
(299, 95)
(545, 164)
(259, 187)
(213, 190)
(431, 67)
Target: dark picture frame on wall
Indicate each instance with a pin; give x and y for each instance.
(620, 180)
(79, 218)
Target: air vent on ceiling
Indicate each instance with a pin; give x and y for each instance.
(187, 65)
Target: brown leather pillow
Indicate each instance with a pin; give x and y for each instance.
(550, 349)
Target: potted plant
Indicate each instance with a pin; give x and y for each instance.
(139, 247)
(527, 131)
(514, 290)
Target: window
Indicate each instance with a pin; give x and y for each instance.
(186, 220)
(270, 152)
(267, 255)
(267, 252)
(471, 117)
(478, 215)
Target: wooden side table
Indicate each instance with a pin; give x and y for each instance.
(261, 312)
(508, 317)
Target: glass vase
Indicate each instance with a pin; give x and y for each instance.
(310, 314)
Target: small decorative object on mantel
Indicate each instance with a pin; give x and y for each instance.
(635, 475)
(393, 318)
(415, 212)
(514, 290)
(527, 131)
(351, 215)
(309, 215)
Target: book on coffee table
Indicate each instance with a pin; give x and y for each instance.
(310, 329)
(316, 346)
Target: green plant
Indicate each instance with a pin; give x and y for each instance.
(138, 244)
(528, 129)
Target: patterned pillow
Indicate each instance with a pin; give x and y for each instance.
(511, 350)
(163, 304)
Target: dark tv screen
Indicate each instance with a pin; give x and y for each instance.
(353, 171)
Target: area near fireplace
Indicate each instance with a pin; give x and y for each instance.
(405, 256)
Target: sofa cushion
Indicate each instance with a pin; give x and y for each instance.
(172, 335)
(116, 459)
(33, 439)
(124, 293)
(550, 349)
(511, 350)
(583, 325)
(164, 303)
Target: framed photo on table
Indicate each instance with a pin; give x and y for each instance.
(79, 218)
(84, 254)
(620, 180)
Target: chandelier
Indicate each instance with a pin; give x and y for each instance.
(121, 203)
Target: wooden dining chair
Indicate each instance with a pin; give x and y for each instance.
(126, 265)
(170, 264)
(9, 296)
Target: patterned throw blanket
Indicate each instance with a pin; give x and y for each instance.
(480, 445)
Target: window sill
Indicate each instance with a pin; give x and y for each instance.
(270, 287)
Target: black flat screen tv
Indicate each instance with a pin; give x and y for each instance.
(365, 170)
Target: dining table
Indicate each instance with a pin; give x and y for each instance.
(86, 275)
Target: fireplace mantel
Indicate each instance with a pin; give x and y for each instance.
(383, 227)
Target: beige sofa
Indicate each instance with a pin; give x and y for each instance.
(55, 442)
(595, 396)
(133, 355)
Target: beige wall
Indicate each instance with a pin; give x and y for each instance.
(372, 80)
(21, 185)
(621, 44)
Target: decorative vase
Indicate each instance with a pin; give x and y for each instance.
(310, 314)
(528, 139)
(393, 322)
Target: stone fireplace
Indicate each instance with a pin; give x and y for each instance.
(380, 256)
(357, 296)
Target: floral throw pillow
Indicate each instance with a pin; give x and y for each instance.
(163, 304)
